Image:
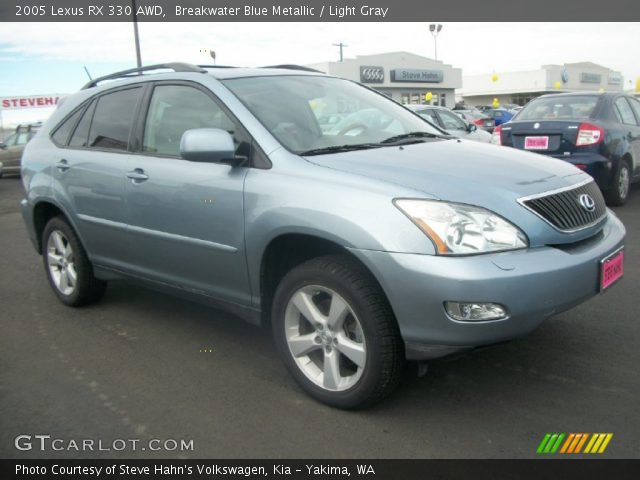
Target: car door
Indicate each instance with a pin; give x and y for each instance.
(14, 146)
(89, 172)
(635, 134)
(186, 219)
(6, 151)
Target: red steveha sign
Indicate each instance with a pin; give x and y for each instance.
(32, 101)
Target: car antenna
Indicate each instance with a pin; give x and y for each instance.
(88, 74)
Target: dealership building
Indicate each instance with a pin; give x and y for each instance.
(520, 87)
(403, 76)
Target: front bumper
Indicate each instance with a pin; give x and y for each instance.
(533, 284)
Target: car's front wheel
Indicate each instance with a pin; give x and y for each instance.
(68, 269)
(336, 332)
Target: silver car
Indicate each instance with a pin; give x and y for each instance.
(361, 249)
(451, 123)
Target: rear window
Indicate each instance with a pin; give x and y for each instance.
(559, 108)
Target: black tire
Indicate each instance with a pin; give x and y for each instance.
(385, 361)
(617, 196)
(87, 289)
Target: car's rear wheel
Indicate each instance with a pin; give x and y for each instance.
(619, 191)
(336, 332)
(68, 269)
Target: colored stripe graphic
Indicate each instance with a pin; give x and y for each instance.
(550, 443)
(598, 442)
(574, 443)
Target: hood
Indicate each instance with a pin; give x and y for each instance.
(486, 175)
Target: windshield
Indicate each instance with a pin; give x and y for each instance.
(308, 113)
(559, 108)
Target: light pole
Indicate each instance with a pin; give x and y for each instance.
(341, 45)
(135, 33)
(435, 29)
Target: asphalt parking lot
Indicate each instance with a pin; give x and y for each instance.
(134, 367)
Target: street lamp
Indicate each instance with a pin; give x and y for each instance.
(435, 29)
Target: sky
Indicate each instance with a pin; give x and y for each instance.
(44, 58)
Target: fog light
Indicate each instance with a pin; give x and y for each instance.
(475, 312)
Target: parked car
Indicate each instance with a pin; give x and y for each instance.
(598, 133)
(500, 115)
(361, 250)
(478, 118)
(11, 148)
(451, 123)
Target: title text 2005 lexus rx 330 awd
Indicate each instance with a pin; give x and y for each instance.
(382, 242)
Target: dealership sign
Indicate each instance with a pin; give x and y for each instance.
(416, 75)
(31, 101)
(370, 74)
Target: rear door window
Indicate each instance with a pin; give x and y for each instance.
(635, 105)
(112, 120)
(625, 114)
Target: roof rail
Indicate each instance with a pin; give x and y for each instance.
(175, 66)
(294, 67)
(217, 66)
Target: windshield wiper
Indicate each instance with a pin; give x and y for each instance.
(339, 148)
(412, 135)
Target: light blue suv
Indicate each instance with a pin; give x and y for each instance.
(362, 248)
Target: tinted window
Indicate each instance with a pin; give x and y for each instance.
(624, 111)
(570, 107)
(79, 137)
(635, 105)
(175, 109)
(112, 119)
(62, 133)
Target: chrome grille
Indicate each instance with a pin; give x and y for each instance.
(563, 209)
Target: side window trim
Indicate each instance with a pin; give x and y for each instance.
(94, 101)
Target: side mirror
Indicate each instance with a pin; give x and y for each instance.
(472, 127)
(3, 145)
(211, 145)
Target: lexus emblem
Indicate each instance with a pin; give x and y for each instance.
(536, 125)
(587, 202)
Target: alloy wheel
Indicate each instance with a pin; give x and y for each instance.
(325, 338)
(60, 260)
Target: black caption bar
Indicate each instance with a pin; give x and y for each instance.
(316, 10)
(318, 469)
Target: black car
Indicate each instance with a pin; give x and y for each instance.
(597, 132)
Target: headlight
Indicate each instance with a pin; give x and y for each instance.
(458, 229)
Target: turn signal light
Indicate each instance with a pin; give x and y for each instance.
(495, 136)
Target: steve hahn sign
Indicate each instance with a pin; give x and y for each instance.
(30, 101)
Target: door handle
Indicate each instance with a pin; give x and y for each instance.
(63, 165)
(137, 175)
